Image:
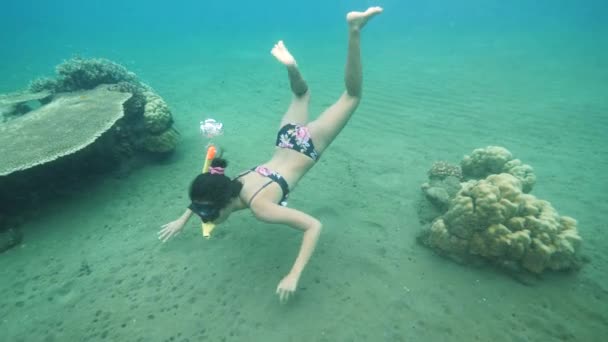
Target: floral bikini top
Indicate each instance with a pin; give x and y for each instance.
(274, 177)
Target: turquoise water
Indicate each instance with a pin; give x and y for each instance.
(441, 78)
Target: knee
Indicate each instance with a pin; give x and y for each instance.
(304, 97)
(351, 101)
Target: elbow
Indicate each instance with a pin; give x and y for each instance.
(316, 227)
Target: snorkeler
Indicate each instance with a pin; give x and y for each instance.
(264, 189)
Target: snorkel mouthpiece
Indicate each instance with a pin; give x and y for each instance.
(208, 213)
(207, 228)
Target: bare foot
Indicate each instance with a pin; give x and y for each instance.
(280, 52)
(356, 20)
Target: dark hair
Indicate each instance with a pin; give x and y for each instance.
(215, 188)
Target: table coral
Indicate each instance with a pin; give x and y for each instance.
(48, 133)
(144, 109)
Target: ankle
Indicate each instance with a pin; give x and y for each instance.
(354, 30)
(292, 67)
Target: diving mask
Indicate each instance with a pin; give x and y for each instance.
(208, 212)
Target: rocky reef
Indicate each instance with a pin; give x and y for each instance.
(148, 123)
(93, 116)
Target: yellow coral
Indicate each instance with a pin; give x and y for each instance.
(536, 257)
(495, 160)
(523, 172)
(493, 218)
(440, 238)
(516, 223)
(518, 244)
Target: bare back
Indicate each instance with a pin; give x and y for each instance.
(290, 164)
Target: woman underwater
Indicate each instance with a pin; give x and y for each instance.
(264, 189)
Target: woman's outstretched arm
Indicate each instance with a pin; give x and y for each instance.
(274, 213)
(174, 227)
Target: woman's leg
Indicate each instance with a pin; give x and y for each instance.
(298, 109)
(325, 128)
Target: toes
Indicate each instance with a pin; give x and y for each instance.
(374, 10)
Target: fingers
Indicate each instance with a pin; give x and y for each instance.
(284, 294)
(166, 237)
(170, 235)
(165, 234)
(164, 230)
(280, 293)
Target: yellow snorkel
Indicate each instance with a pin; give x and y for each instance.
(207, 227)
(210, 128)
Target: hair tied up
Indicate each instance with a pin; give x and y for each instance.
(216, 170)
(219, 162)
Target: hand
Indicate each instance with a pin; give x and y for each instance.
(170, 229)
(287, 287)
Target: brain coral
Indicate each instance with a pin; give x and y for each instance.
(157, 116)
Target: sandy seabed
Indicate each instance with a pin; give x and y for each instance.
(92, 269)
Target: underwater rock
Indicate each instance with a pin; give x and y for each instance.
(440, 191)
(9, 238)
